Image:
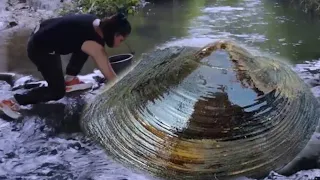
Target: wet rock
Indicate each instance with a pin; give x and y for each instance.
(27, 13)
(2, 26)
(16, 128)
(59, 167)
(35, 150)
(5, 86)
(76, 146)
(8, 77)
(45, 153)
(21, 6)
(12, 24)
(9, 3)
(54, 152)
(309, 174)
(10, 155)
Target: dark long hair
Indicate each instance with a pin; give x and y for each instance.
(114, 25)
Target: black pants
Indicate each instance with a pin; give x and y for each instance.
(51, 69)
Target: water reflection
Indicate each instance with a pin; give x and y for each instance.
(160, 22)
(214, 117)
(177, 104)
(291, 32)
(262, 24)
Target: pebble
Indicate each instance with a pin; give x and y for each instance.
(54, 152)
(13, 23)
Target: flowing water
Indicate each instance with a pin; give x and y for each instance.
(31, 150)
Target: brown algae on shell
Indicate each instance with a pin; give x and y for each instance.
(204, 113)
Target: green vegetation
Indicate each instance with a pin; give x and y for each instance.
(308, 5)
(101, 8)
(107, 7)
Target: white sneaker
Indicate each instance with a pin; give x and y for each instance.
(10, 108)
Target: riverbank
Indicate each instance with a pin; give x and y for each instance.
(28, 12)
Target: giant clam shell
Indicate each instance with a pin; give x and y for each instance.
(204, 113)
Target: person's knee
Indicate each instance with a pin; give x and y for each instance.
(58, 93)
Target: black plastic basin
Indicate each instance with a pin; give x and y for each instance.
(120, 62)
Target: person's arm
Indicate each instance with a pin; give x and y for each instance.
(97, 52)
